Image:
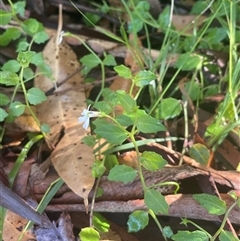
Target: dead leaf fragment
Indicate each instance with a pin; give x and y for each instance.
(71, 158)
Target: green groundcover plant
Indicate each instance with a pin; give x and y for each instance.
(136, 117)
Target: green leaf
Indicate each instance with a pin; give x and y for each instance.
(123, 71)
(40, 37)
(37, 59)
(167, 232)
(122, 173)
(24, 58)
(28, 73)
(46, 70)
(189, 61)
(114, 134)
(16, 108)
(22, 45)
(5, 17)
(152, 161)
(156, 201)
(109, 60)
(143, 78)
(45, 128)
(227, 236)
(164, 19)
(90, 19)
(3, 114)
(89, 140)
(137, 221)
(215, 35)
(8, 78)
(169, 108)
(9, 35)
(198, 7)
(136, 24)
(193, 90)
(4, 100)
(98, 169)
(103, 106)
(124, 120)
(87, 234)
(12, 66)
(110, 161)
(147, 124)
(19, 7)
(36, 96)
(90, 61)
(193, 236)
(200, 153)
(211, 203)
(31, 26)
(100, 223)
(127, 102)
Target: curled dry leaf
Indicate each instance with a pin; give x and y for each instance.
(71, 158)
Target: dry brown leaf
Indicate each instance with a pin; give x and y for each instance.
(189, 22)
(71, 158)
(13, 226)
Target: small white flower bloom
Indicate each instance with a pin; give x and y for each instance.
(86, 115)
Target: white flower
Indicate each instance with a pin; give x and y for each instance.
(86, 115)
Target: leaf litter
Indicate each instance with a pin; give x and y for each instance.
(71, 158)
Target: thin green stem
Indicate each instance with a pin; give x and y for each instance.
(223, 221)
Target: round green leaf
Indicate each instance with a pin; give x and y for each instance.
(3, 114)
(36, 96)
(127, 102)
(156, 201)
(211, 203)
(4, 100)
(188, 61)
(143, 78)
(137, 220)
(193, 90)
(19, 7)
(41, 37)
(90, 61)
(152, 161)
(31, 26)
(147, 124)
(114, 134)
(9, 35)
(123, 71)
(5, 17)
(98, 169)
(12, 66)
(45, 128)
(22, 45)
(122, 173)
(109, 60)
(169, 108)
(16, 108)
(28, 73)
(87, 234)
(8, 78)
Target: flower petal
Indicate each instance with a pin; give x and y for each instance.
(82, 119)
(86, 124)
